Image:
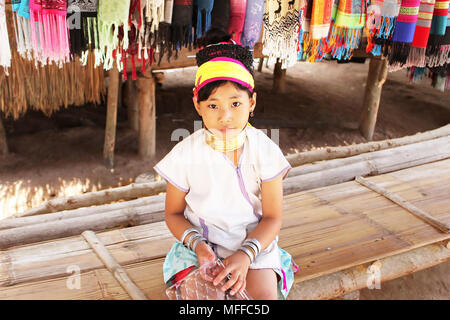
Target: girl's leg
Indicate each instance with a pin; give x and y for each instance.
(262, 284)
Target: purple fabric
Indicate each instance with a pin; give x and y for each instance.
(253, 23)
(404, 32)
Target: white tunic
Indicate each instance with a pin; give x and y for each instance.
(224, 201)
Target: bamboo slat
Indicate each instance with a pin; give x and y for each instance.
(326, 230)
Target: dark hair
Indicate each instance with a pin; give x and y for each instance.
(230, 50)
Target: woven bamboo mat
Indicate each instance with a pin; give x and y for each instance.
(326, 230)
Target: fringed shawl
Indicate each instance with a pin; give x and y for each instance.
(318, 26)
(204, 7)
(5, 51)
(22, 28)
(111, 15)
(403, 34)
(281, 28)
(181, 25)
(416, 55)
(50, 36)
(349, 19)
(220, 15)
(237, 19)
(163, 36)
(441, 56)
(253, 23)
(438, 26)
(380, 24)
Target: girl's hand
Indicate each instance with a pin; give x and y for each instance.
(205, 253)
(237, 264)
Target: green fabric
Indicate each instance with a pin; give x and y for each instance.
(111, 15)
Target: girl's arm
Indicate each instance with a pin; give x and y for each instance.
(177, 223)
(265, 232)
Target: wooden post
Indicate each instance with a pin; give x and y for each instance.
(279, 78)
(260, 64)
(131, 102)
(378, 70)
(147, 123)
(3, 143)
(111, 117)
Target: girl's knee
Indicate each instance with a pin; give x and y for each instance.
(262, 284)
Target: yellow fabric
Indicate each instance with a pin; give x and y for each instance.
(220, 70)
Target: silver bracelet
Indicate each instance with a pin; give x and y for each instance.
(251, 246)
(255, 242)
(247, 252)
(186, 233)
(197, 241)
(192, 240)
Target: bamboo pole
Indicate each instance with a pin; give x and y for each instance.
(378, 71)
(111, 264)
(328, 153)
(147, 122)
(444, 227)
(111, 117)
(131, 191)
(342, 282)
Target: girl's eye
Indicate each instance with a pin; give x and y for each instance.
(212, 106)
(236, 104)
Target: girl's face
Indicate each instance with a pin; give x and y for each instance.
(226, 111)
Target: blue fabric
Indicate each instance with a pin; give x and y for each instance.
(179, 258)
(404, 32)
(253, 23)
(207, 6)
(24, 10)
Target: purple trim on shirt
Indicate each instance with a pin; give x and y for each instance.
(204, 228)
(170, 180)
(275, 176)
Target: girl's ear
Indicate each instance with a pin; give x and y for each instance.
(253, 102)
(196, 105)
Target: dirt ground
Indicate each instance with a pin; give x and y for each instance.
(62, 155)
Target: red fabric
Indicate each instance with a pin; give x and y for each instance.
(183, 273)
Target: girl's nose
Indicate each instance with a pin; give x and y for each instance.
(225, 115)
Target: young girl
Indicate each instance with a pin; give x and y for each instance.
(224, 182)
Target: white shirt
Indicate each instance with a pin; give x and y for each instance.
(224, 201)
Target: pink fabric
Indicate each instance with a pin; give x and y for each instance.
(284, 280)
(237, 18)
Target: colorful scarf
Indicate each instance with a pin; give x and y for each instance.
(253, 23)
(281, 29)
(416, 55)
(438, 26)
(5, 51)
(22, 28)
(237, 19)
(181, 25)
(441, 55)
(380, 24)
(316, 28)
(403, 34)
(50, 36)
(82, 24)
(349, 18)
(111, 15)
(220, 15)
(203, 7)
(134, 25)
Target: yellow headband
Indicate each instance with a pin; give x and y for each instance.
(223, 68)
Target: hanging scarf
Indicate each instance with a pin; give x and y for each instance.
(163, 35)
(281, 28)
(181, 25)
(5, 51)
(438, 26)
(441, 55)
(203, 7)
(316, 29)
(349, 18)
(220, 15)
(134, 25)
(403, 34)
(380, 25)
(22, 28)
(50, 36)
(253, 23)
(111, 15)
(82, 24)
(237, 19)
(416, 55)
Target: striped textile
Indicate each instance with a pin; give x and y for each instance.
(416, 55)
(380, 24)
(438, 48)
(314, 40)
(347, 27)
(403, 33)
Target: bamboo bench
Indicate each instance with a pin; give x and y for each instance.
(344, 237)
